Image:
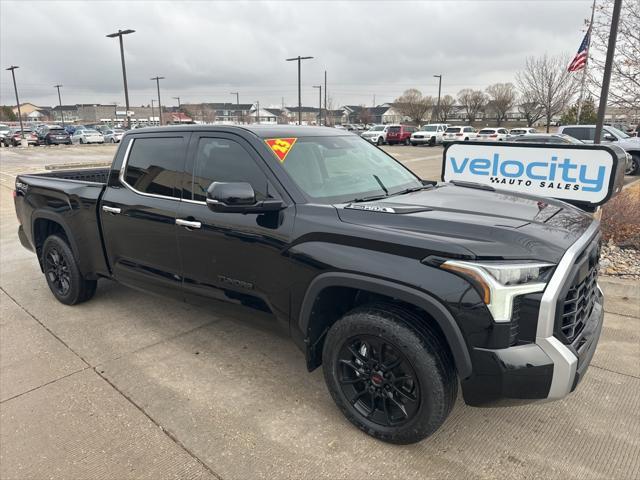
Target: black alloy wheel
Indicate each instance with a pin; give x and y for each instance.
(57, 271)
(378, 381)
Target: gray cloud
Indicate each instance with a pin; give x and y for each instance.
(206, 49)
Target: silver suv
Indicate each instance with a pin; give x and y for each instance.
(587, 133)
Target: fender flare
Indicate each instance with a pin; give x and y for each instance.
(410, 295)
(46, 215)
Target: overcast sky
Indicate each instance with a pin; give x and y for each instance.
(206, 49)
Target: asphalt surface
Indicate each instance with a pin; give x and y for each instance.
(134, 386)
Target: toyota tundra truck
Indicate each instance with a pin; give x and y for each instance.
(403, 290)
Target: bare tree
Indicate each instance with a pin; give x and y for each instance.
(414, 105)
(502, 97)
(624, 91)
(473, 102)
(531, 110)
(447, 102)
(548, 82)
(364, 116)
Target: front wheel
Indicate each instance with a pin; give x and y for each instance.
(406, 141)
(432, 142)
(81, 141)
(387, 378)
(380, 141)
(63, 276)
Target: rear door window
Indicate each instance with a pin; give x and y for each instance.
(155, 165)
(581, 133)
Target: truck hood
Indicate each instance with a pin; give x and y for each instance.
(468, 222)
(631, 143)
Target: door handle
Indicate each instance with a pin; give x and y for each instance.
(187, 223)
(114, 210)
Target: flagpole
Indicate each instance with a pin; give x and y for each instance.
(586, 66)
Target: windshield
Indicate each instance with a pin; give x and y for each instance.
(90, 130)
(515, 130)
(618, 133)
(429, 128)
(487, 131)
(343, 169)
(453, 130)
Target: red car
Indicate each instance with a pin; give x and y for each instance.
(399, 134)
(29, 135)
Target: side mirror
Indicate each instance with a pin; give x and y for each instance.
(238, 197)
(609, 138)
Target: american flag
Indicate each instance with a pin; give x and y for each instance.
(580, 60)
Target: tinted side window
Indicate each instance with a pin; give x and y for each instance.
(581, 133)
(155, 165)
(223, 160)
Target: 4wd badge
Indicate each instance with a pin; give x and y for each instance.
(281, 146)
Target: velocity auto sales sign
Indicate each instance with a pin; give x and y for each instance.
(582, 174)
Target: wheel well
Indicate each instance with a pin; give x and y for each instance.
(332, 303)
(44, 228)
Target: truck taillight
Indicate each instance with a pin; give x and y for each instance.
(495, 135)
(458, 134)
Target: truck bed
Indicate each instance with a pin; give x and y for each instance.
(93, 175)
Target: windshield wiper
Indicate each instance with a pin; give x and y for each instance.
(370, 198)
(411, 190)
(384, 189)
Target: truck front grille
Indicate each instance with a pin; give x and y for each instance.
(581, 296)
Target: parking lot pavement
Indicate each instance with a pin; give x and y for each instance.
(131, 385)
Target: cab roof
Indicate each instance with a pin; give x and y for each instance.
(262, 131)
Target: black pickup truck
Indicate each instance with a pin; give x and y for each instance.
(401, 289)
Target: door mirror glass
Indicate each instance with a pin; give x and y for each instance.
(609, 138)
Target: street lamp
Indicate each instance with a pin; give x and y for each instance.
(119, 34)
(157, 79)
(60, 103)
(179, 104)
(258, 112)
(319, 87)
(439, 77)
(152, 110)
(12, 68)
(299, 60)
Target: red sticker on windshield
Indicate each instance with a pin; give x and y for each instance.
(281, 146)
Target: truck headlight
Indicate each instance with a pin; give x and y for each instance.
(500, 282)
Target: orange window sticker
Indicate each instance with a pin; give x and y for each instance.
(281, 146)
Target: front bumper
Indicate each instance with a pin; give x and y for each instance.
(546, 369)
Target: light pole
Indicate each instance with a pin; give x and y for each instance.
(119, 34)
(299, 60)
(257, 112)
(12, 68)
(319, 87)
(157, 79)
(325, 98)
(60, 103)
(152, 109)
(179, 104)
(439, 77)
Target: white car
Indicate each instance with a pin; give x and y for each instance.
(113, 136)
(522, 131)
(87, 135)
(497, 134)
(430, 134)
(463, 133)
(376, 134)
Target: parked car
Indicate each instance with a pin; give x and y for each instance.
(546, 138)
(29, 135)
(5, 130)
(54, 135)
(587, 133)
(522, 131)
(112, 135)
(87, 135)
(492, 135)
(430, 134)
(463, 133)
(376, 134)
(397, 134)
(423, 290)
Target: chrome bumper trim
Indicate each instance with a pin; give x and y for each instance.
(564, 361)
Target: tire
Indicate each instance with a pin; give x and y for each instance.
(406, 141)
(113, 140)
(62, 273)
(635, 165)
(414, 144)
(380, 141)
(398, 411)
(81, 141)
(432, 142)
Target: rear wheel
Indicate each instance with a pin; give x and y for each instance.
(62, 273)
(389, 380)
(634, 168)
